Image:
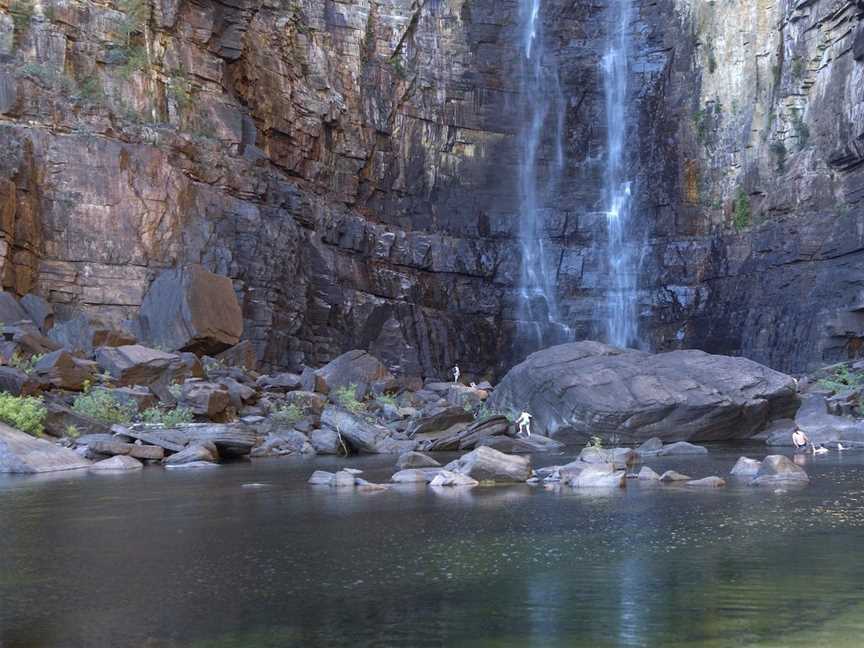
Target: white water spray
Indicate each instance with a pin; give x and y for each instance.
(621, 323)
(542, 131)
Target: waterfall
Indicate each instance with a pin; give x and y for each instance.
(621, 324)
(541, 164)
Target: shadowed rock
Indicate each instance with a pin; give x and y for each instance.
(191, 309)
(415, 460)
(358, 368)
(22, 453)
(85, 333)
(745, 467)
(363, 436)
(135, 364)
(588, 388)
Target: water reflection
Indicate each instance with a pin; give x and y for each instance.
(172, 559)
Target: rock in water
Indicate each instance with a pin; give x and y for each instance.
(448, 478)
(119, 463)
(745, 467)
(598, 476)
(682, 448)
(589, 388)
(22, 453)
(415, 460)
(191, 309)
(779, 469)
(707, 482)
(362, 436)
(648, 474)
(671, 476)
(487, 464)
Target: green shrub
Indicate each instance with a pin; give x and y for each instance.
(72, 431)
(841, 380)
(387, 399)
(103, 406)
(27, 413)
(742, 210)
(168, 418)
(27, 365)
(286, 414)
(595, 442)
(347, 398)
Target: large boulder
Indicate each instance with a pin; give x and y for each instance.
(63, 370)
(191, 309)
(22, 453)
(597, 476)
(536, 443)
(414, 459)
(589, 388)
(363, 436)
(135, 364)
(745, 467)
(10, 310)
(16, 382)
(358, 368)
(779, 469)
(85, 333)
(39, 311)
(488, 464)
(205, 398)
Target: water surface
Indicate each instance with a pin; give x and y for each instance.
(202, 558)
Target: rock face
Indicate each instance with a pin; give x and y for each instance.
(351, 168)
(588, 388)
(191, 309)
(22, 453)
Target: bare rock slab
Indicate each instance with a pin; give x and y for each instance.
(22, 453)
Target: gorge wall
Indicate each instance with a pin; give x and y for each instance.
(351, 166)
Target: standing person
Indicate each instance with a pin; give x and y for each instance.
(524, 422)
(456, 374)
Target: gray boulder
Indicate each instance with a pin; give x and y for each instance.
(363, 436)
(414, 459)
(536, 443)
(118, 463)
(620, 457)
(672, 476)
(205, 398)
(325, 442)
(487, 464)
(321, 478)
(647, 474)
(191, 309)
(650, 447)
(10, 310)
(85, 333)
(588, 388)
(22, 453)
(194, 453)
(779, 469)
(39, 311)
(598, 476)
(415, 475)
(745, 467)
(358, 368)
(135, 364)
(279, 444)
(706, 482)
(681, 448)
(449, 478)
(820, 426)
(16, 382)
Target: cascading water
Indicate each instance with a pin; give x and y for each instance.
(621, 324)
(541, 155)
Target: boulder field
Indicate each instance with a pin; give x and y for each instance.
(587, 388)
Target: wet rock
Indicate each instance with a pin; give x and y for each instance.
(449, 478)
(415, 475)
(191, 309)
(598, 476)
(205, 398)
(586, 388)
(321, 478)
(647, 474)
(22, 453)
(194, 453)
(522, 445)
(362, 436)
(85, 333)
(682, 448)
(119, 463)
(745, 467)
(487, 464)
(672, 476)
(283, 443)
(650, 447)
(326, 442)
(39, 311)
(135, 364)
(776, 469)
(415, 460)
(343, 479)
(357, 368)
(192, 465)
(707, 482)
(620, 457)
(63, 370)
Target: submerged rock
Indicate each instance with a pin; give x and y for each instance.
(586, 388)
(648, 474)
(449, 478)
(673, 476)
(682, 448)
(320, 478)
(707, 482)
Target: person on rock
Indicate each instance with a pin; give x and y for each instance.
(524, 423)
(800, 440)
(456, 374)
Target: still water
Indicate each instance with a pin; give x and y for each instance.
(202, 558)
